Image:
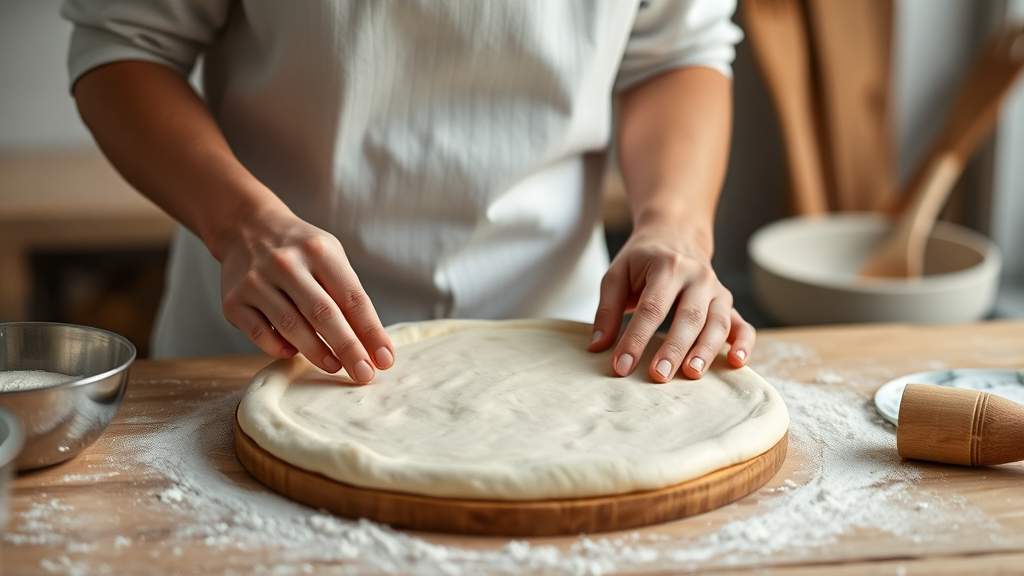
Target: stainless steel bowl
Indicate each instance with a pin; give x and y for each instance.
(60, 421)
(11, 441)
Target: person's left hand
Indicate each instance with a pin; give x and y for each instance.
(659, 267)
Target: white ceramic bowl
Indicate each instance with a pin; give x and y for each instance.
(805, 272)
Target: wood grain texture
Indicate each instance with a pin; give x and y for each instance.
(504, 518)
(778, 37)
(122, 499)
(852, 53)
(959, 426)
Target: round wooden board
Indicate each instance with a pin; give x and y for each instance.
(511, 518)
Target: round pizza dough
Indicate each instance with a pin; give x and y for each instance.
(509, 410)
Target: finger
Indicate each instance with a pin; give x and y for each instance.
(742, 337)
(258, 329)
(292, 326)
(332, 271)
(323, 314)
(691, 313)
(651, 310)
(610, 308)
(711, 339)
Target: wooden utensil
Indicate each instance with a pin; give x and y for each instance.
(511, 518)
(973, 115)
(852, 53)
(959, 426)
(778, 35)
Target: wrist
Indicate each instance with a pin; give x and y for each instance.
(240, 217)
(694, 231)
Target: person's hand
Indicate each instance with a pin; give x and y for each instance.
(659, 267)
(288, 285)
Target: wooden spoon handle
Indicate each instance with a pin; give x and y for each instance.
(976, 108)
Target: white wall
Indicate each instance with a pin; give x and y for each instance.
(1008, 201)
(36, 110)
(935, 46)
(1008, 193)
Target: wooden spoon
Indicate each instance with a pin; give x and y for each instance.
(974, 113)
(778, 36)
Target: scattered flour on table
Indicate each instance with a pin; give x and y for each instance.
(172, 495)
(36, 526)
(86, 478)
(854, 481)
(16, 380)
(829, 377)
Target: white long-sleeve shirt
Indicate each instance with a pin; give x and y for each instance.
(454, 147)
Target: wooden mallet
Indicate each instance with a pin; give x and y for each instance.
(959, 426)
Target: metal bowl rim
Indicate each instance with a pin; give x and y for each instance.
(132, 352)
(11, 446)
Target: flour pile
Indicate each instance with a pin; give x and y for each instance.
(854, 482)
(17, 380)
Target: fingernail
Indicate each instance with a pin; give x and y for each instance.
(331, 363)
(363, 371)
(697, 363)
(741, 354)
(664, 367)
(597, 335)
(383, 357)
(623, 364)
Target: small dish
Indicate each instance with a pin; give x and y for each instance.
(1006, 383)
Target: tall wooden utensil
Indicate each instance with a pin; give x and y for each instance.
(778, 35)
(973, 115)
(852, 52)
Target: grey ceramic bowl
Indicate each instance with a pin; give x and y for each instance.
(60, 421)
(11, 441)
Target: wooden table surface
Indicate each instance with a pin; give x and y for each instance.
(115, 520)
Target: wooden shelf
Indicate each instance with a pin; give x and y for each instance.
(69, 200)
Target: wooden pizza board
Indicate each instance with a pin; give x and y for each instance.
(506, 517)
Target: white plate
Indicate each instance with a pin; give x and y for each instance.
(1006, 383)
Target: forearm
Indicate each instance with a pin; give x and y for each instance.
(673, 150)
(160, 136)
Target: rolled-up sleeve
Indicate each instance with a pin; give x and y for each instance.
(169, 32)
(669, 34)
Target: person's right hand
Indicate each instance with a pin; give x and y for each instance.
(288, 285)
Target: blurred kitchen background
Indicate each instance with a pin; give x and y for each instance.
(77, 244)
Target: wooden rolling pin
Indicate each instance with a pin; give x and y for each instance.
(959, 426)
